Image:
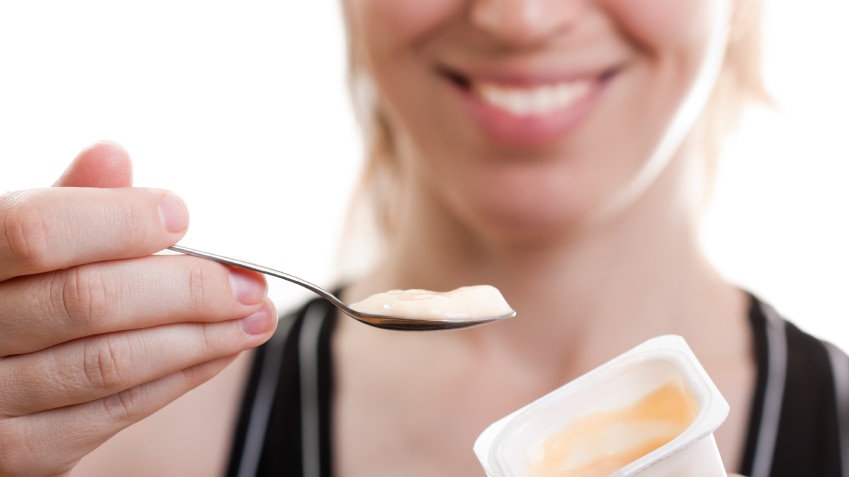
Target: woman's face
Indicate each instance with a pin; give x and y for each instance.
(537, 114)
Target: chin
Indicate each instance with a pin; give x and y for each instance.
(530, 223)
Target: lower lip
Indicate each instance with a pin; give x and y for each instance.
(532, 130)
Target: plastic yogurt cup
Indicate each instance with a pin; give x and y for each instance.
(650, 412)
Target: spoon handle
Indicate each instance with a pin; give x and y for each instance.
(261, 269)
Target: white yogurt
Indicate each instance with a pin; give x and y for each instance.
(463, 303)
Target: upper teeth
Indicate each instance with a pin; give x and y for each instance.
(536, 100)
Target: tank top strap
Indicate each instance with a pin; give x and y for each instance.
(284, 421)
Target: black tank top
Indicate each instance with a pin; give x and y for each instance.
(799, 425)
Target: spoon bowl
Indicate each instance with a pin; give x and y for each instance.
(385, 321)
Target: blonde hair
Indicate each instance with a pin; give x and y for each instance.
(739, 83)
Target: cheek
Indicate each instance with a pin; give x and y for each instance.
(391, 24)
(390, 38)
(664, 25)
(680, 43)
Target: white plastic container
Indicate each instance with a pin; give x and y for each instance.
(508, 447)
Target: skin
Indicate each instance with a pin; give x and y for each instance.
(570, 230)
(95, 333)
(582, 234)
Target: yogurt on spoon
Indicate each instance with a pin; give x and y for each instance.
(468, 302)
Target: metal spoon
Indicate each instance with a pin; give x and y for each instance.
(379, 321)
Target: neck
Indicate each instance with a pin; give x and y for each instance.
(584, 297)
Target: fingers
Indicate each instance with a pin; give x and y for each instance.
(50, 229)
(100, 366)
(95, 332)
(43, 310)
(104, 165)
(52, 442)
(40, 230)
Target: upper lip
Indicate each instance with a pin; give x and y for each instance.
(520, 78)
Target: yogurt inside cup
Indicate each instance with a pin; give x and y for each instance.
(649, 412)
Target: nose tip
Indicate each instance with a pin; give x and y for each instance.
(521, 22)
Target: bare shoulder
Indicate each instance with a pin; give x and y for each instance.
(190, 436)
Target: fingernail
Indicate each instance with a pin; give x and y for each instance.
(247, 287)
(173, 213)
(258, 323)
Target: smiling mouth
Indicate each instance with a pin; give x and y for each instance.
(532, 101)
(539, 99)
(528, 110)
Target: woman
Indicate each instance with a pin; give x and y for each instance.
(558, 150)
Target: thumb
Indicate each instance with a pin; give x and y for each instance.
(104, 164)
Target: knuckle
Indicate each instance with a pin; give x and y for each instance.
(136, 227)
(207, 340)
(84, 295)
(26, 231)
(123, 406)
(197, 284)
(106, 362)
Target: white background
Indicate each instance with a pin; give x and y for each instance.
(241, 108)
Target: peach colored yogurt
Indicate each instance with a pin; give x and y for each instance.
(462, 303)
